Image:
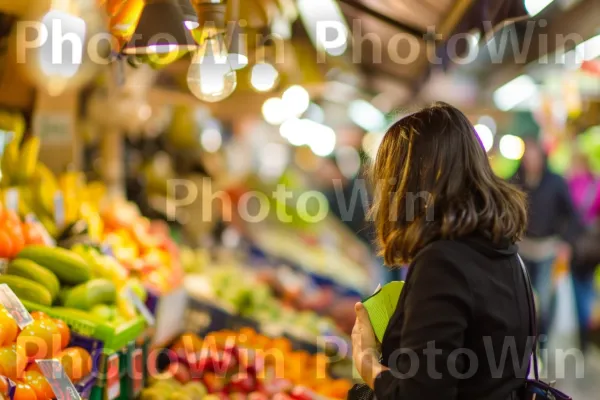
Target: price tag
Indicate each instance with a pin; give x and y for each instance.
(13, 305)
(137, 371)
(113, 378)
(11, 198)
(58, 380)
(59, 209)
(141, 307)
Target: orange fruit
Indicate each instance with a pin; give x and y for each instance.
(39, 315)
(65, 332)
(8, 327)
(33, 367)
(3, 384)
(39, 384)
(11, 364)
(24, 392)
(77, 363)
(39, 340)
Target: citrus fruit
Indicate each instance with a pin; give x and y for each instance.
(9, 327)
(24, 392)
(39, 340)
(39, 384)
(39, 315)
(65, 332)
(77, 363)
(11, 364)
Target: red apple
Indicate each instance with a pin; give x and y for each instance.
(302, 393)
(213, 383)
(181, 372)
(258, 396)
(241, 382)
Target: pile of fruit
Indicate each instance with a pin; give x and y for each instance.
(53, 276)
(44, 338)
(254, 299)
(245, 364)
(142, 246)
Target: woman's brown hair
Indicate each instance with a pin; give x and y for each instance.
(433, 180)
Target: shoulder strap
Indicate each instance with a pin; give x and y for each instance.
(532, 315)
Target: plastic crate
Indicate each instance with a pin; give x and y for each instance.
(113, 338)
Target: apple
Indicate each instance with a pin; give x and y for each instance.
(302, 393)
(258, 396)
(281, 396)
(241, 382)
(213, 383)
(181, 372)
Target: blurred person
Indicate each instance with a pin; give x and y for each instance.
(585, 191)
(552, 228)
(465, 293)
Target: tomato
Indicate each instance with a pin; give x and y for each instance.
(24, 392)
(65, 332)
(77, 363)
(11, 364)
(39, 384)
(39, 340)
(9, 327)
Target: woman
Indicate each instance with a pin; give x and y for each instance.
(585, 192)
(552, 223)
(460, 330)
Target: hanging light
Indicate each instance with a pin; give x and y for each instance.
(190, 19)
(160, 30)
(53, 63)
(296, 100)
(211, 77)
(515, 92)
(264, 77)
(534, 7)
(238, 48)
(274, 111)
(512, 147)
(485, 135)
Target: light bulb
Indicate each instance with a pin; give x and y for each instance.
(210, 76)
(63, 44)
(264, 77)
(296, 99)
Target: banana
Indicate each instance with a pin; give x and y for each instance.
(46, 186)
(10, 158)
(28, 159)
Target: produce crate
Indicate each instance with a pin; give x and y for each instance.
(113, 338)
(137, 373)
(111, 378)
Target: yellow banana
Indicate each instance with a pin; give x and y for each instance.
(46, 186)
(28, 159)
(10, 158)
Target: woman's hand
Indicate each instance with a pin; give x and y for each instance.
(364, 347)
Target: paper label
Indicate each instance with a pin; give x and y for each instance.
(11, 199)
(59, 209)
(13, 305)
(58, 380)
(137, 371)
(141, 307)
(113, 379)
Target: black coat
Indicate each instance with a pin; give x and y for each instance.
(467, 294)
(551, 211)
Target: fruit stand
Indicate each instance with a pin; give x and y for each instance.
(94, 290)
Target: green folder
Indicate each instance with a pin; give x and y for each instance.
(381, 306)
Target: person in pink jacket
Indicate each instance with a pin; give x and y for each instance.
(584, 187)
